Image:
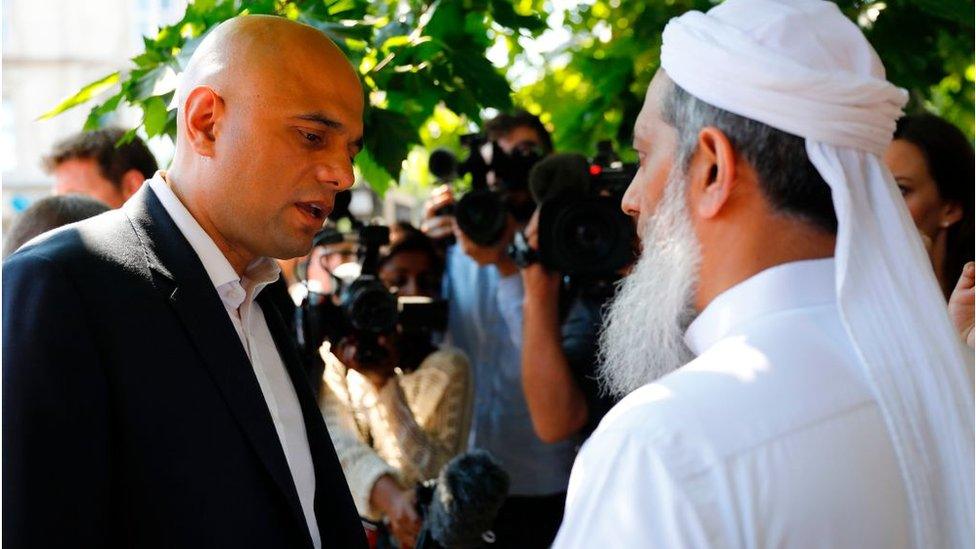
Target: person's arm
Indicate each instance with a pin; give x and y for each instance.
(361, 464)
(57, 462)
(398, 506)
(431, 432)
(556, 402)
(961, 304)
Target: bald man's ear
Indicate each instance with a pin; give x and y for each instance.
(201, 113)
(712, 173)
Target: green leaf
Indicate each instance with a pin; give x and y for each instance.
(375, 175)
(84, 95)
(126, 138)
(504, 14)
(98, 112)
(481, 77)
(389, 137)
(154, 115)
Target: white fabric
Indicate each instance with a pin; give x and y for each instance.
(769, 438)
(238, 297)
(802, 67)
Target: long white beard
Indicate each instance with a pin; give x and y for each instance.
(643, 336)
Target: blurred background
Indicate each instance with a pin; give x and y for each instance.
(433, 71)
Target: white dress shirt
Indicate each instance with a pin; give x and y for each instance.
(238, 295)
(769, 438)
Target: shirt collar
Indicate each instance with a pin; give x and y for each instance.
(259, 273)
(787, 286)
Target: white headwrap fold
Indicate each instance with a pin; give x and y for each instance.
(802, 67)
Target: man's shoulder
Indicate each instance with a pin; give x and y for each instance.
(739, 395)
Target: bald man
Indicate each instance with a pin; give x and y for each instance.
(152, 397)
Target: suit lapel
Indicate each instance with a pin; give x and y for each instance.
(333, 502)
(181, 277)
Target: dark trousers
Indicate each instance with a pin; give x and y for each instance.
(529, 522)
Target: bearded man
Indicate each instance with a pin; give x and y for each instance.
(793, 377)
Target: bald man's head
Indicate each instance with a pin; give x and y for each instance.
(269, 119)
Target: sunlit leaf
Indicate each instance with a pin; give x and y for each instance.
(84, 95)
(154, 115)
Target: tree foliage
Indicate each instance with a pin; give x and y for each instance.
(426, 75)
(414, 56)
(596, 89)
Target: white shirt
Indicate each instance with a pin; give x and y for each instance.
(769, 438)
(238, 295)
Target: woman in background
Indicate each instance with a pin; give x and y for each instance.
(394, 425)
(932, 162)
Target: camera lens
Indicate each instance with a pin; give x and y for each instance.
(370, 307)
(481, 216)
(584, 235)
(588, 237)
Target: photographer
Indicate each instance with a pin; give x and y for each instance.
(485, 295)
(567, 281)
(397, 421)
(559, 353)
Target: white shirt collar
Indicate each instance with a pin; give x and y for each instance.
(787, 286)
(233, 291)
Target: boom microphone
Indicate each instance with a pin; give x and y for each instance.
(462, 507)
(559, 174)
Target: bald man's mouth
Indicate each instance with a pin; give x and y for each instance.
(316, 212)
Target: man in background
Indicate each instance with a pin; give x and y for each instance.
(484, 289)
(96, 165)
(49, 213)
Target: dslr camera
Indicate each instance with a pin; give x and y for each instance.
(482, 212)
(363, 309)
(582, 231)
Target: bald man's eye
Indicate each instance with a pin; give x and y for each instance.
(311, 138)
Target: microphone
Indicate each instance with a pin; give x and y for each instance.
(560, 174)
(462, 507)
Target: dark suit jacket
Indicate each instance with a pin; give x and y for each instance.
(131, 414)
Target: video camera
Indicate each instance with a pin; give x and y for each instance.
(363, 308)
(483, 211)
(582, 231)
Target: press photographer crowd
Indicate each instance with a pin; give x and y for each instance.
(759, 334)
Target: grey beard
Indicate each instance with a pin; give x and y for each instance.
(643, 335)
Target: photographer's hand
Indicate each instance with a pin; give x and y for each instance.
(438, 226)
(541, 285)
(495, 254)
(379, 372)
(556, 402)
(399, 507)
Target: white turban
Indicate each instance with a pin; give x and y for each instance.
(802, 67)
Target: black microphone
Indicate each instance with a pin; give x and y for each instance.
(560, 174)
(468, 494)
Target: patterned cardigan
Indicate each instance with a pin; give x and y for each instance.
(409, 429)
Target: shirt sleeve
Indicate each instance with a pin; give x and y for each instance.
(360, 462)
(621, 494)
(510, 295)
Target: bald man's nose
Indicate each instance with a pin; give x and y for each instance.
(338, 172)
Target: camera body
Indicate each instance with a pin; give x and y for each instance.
(582, 231)
(363, 309)
(482, 213)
